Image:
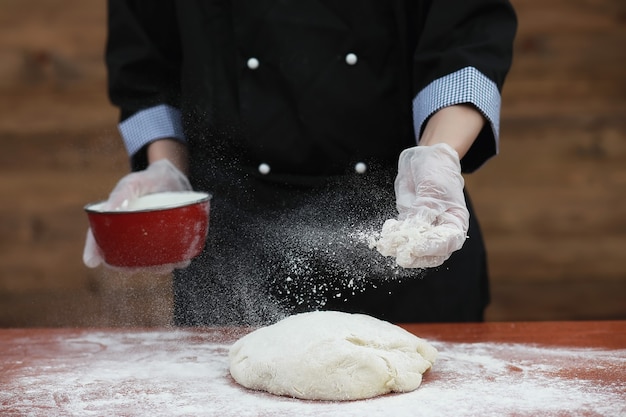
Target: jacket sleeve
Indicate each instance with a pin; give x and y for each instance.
(143, 66)
(463, 56)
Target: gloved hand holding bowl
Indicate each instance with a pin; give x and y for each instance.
(151, 220)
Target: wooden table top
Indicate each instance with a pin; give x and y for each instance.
(527, 368)
(599, 334)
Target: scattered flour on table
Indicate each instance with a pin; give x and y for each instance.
(184, 373)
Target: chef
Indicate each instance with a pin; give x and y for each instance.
(294, 115)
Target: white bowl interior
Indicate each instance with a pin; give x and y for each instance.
(156, 201)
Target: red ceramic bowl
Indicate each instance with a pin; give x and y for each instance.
(158, 229)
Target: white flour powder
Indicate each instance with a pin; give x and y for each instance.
(186, 374)
(415, 243)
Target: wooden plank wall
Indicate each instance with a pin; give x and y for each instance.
(552, 204)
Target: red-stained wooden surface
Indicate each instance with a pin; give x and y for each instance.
(598, 334)
(586, 334)
(573, 367)
(609, 334)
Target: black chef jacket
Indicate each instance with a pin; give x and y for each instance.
(266, 82)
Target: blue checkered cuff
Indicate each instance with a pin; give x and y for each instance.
(467, 85)
(148, 125)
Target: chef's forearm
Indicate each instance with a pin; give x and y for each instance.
(457, 125)
(173, 150)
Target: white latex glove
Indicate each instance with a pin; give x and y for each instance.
(432, 215)
(160, 176)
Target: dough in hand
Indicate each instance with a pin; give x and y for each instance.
(416, 243)
(329, 355)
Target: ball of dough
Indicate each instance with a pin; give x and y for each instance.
(330, 355)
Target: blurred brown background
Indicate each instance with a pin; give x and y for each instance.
(553, 203)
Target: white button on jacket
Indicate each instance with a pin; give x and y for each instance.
(253, 63)
(360, 168)
(264, 168)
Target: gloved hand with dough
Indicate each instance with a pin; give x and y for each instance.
(432, 218)
(160, 176)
